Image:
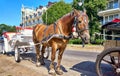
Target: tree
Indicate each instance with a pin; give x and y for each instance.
(4, 27)
(92, 7)
(56, 11)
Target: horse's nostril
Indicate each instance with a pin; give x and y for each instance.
(85, 38)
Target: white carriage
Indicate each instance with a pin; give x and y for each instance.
(18, 41)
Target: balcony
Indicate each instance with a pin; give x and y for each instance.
(109, 11)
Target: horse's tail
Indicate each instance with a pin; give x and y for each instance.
(34, 35)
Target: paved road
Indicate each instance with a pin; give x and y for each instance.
(81, 62)
(74, 62)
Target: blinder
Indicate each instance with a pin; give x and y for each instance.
(75, 26)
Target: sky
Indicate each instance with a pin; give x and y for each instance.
(10, 10)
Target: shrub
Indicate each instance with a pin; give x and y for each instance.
(75, 41)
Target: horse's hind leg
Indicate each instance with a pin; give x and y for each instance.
(37, 47)
(42, 55)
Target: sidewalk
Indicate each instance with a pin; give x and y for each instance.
(88, 48)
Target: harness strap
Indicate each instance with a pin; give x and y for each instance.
(45, 32)
(55, 24)
(55, 27)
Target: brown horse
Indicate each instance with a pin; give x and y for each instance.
(73, 24)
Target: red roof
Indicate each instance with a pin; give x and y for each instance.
(18, 27)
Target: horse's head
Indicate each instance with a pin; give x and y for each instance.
(80, 26)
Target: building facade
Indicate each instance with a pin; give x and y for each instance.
(111, 12)
(31, 16)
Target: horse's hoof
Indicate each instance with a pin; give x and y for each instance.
(59, 72)
(43, 63)
(52, 72)
(37, 64)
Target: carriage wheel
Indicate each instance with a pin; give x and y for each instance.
(108, 62)
(5, 46)
(3, 51)
(17, 54)
(47, 52)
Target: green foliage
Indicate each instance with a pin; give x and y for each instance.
(4, 27)
(75, 41)
(56, 11)
(92, 7)
(98, 41)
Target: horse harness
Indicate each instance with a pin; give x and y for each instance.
(54, 34)
(61, 36)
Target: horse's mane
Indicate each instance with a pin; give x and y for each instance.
(64, 16)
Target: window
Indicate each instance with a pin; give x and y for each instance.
(110, 5)
(39, 13)
(39, 21)
(23, 19)
(106, 19)
(35, 14)
(110, 18)
(26, 17)
(23, 13)
(116, 16)
(30, 16)
(33, 21)
(116, 5)
(30, 23)
(26, 24)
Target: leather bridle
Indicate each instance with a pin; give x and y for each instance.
(78, 30)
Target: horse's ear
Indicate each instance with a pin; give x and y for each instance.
(74, 12)
(84, 11)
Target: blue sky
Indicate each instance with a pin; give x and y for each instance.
(10, 10)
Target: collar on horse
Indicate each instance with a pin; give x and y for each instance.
(54, 35)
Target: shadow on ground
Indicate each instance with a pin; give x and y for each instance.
(86, 68)
(30, 56)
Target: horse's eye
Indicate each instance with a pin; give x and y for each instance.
(79, 21)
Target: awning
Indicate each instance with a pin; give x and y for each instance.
(113, 25)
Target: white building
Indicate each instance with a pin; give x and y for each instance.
(31, 16)
(112, 11)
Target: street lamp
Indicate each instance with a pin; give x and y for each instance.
(46, 16)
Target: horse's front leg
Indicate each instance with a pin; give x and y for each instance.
(53, 54)
(60, 54)
(37, 47)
